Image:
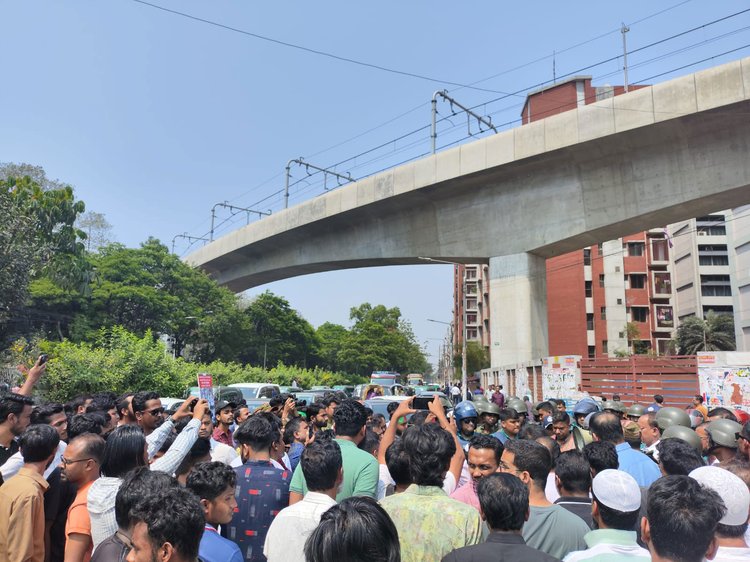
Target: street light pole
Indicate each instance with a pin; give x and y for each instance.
(464, 377)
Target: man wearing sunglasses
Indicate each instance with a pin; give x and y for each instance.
(80, 465)
(149, 413)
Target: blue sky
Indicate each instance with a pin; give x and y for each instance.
(154, 117)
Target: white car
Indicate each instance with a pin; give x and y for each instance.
(256, 390)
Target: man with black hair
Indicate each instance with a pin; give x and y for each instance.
(149, 413)
(224, 419)
(331, 402)
(430, 523)
(213, 483)
(510, 425)
(360, 468)
(681, 520)
(601, 456)
(316, 417)
(296, 435)
(167, 526)
(262, 490)
(137, 484)
(93, 422)
(321, 463)
(53, 415)
(732, 527)
(22, 526)
(573, 483)
(241, 413)
(80, 466)
(482, 460)
(125, 409)
(677, 457)
(616, 504)
(199, 453)
(15, 416)
(219, 451)
(550, 528)
(561, 431)
(657, 405)
(504, 505)
(606, 426)
(721, 413)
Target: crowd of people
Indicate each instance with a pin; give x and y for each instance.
(108, 478)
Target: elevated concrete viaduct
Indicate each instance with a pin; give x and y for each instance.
(654, 156)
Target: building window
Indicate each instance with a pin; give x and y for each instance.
(471, 273)
(471, 288)
(471, 318)
(662, 283)
(664, 317)
(600, 248)
(639, 313)
(635, 249)
(718, 309)
(716, 286)
(603, 312)
(471, 333)
(660, 249)
(589, 321)
(637, 281)
(471, 304)
(587, 256)
(619, 301)
(601, 280)
(592, 351)
(605, 347)
(641, 347)
(713, 254)
(588, 288)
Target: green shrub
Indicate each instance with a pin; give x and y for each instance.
(121, 361)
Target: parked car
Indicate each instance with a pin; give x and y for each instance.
(322, 388)
(256, 390)
(345, 388)
(289, 389)
(171, 404)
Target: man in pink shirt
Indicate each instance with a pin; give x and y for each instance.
(483, 459)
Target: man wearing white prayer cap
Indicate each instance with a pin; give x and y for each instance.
(732, 527)
(616, 504)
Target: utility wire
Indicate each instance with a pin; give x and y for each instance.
(517, 93)
(314, 51)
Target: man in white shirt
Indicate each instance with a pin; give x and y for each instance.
(322, 467)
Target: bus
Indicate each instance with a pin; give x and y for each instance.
(385, 378)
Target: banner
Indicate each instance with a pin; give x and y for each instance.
(206, 390)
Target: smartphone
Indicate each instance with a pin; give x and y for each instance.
(421, 403)
(43, 358)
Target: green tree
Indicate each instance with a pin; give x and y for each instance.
(278, 333)
(38, 238)
(714, 333)
(477, 359)
(332, 338)
(380, 340)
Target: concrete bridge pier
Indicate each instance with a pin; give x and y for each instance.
(518, 309)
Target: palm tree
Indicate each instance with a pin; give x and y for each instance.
(714, 333)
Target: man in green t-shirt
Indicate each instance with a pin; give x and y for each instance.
(360, 468)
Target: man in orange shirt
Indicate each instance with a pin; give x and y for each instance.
(80, 466)
(700, 406)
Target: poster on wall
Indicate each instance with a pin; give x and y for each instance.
(561, 377)
(724, 379)
(522, 381)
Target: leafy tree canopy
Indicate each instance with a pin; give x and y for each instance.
(714, 333)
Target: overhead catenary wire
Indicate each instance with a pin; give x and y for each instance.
(507, 71)
(415, 131)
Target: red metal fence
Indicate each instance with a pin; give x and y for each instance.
(636, 379)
